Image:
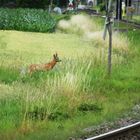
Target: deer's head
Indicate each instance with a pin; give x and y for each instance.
(56, 58)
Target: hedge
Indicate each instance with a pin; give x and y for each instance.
(35, 20)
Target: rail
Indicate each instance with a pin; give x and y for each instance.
(117, 133)
(93, 12)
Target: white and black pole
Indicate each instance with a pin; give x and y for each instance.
(108, 27)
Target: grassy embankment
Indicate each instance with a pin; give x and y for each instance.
(77, 93)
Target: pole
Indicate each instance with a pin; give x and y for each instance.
(110, 49)
(108, 27)
(110, 37)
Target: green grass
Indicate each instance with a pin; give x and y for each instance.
(77, 93)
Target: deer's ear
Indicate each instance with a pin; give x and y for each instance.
(56, 54)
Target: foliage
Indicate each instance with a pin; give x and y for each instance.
(25, 3)
(31, 3)
(102, 7)
(26, 20)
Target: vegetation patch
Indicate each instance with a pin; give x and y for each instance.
(89, 107)
(58, 116)
(38, 113)
(27, 20)
(8, 76)
(91, 32)
(78, 24)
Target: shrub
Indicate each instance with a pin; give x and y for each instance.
(26, 20)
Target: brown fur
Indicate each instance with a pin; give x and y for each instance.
(44, 67)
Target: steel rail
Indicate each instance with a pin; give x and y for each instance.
(116, 132)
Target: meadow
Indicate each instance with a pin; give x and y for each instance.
(77, 93)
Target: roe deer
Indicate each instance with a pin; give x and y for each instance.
(44, 67)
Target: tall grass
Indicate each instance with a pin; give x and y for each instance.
(91, 31)
(78, 24)
(75, 94)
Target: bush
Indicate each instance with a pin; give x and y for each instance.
(26, 20)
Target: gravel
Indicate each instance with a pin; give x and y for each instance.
(130, 118)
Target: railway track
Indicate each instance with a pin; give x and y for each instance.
(131, 132)
(88, 11)
(93, 12)
(133, 24)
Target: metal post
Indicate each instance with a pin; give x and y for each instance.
(110, 49)
(108, 27)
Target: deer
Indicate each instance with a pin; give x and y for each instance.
(44, 67)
